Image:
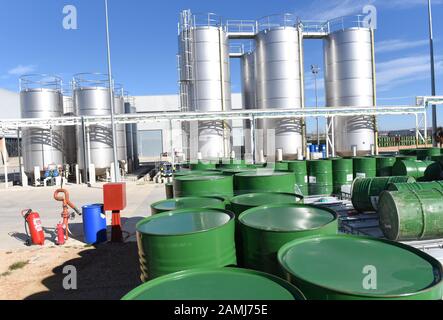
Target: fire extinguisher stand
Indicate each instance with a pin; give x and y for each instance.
(114, 196)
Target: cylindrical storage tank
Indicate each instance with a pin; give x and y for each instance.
(279, 82)
(129, 140)
(349, 82)
(264, 230)
(411, 215)
(249, 94)
(169, 190)
(384, 165)
(120, 129)
(257, 182)
(70, 133)
(41, 97)
(241, 203)
(427, 153)
(308, 262)
(216, 285)
(420, 170)
(366, 191)
(365, 167)
(342, 173)
(185, 239)
(416, 186)
(300, 170)
(92, 98)
(320, 177)
(94, 224)
(187, 203)
(135, 139)
(197, 186)
(203, 165)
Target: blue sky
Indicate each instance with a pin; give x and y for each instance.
(144, 42)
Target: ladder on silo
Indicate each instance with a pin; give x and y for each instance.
(185, 59)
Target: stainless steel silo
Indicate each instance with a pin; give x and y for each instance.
(349, 81)
(205, 55)
(92, 98)
(279, 81)
(41, 97)
(249, 93)
(70, 133)
(119, 108)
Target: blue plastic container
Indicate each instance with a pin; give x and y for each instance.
(313, 148)
(322, 148)
(94, 224)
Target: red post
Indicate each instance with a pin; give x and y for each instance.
(116, 229)
(114, 195)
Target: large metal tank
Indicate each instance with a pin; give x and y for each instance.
(249, 95)
(278, 81)
(349, 82)
(208, 81)
(119, 108)
(92, 98)
(70, 133)
(41, 97)
(129, 138)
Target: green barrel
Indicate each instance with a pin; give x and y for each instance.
(405, 157)
(342, 173)
(182, 173)
(384, 165)
(185, 239)
(366, 191)
(420, 170)
(281, 166)
(408, 152)
(216, 285)
(169, 189)
(416, 186)
(300, 170)
(339, 267)
(203, 165)
(187, 203)
(241, 203)
(196, 186)
(264, 230)
(364, 167)
(438, 159)
(427, 153)
(255, 182)
(233, 164)
(320, 177)
(411, 215)
(233, 172)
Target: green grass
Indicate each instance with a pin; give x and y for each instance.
(5, 274)
(18, 265)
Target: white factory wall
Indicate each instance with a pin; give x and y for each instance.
(9, 104)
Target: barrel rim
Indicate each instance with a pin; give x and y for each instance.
(89, 206)
(201, 178)
(174, 212)
(284, 205)
(387, 194)
(434, 263)
(292, 289)
(245, 195)
(153, 205)
(263, 174)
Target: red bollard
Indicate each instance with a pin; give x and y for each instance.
(114, 195)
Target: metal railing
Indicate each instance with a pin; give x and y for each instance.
(40, 81)
(276, 21)
(346, 22)
(313, 26)
(90, 80)
(241, 26)
(206, 20)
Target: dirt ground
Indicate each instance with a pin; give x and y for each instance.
(105, 272)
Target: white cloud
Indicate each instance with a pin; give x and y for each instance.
(398, 44)
(22, 69)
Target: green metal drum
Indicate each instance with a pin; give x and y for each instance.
(416, 186)
(264, 230)
(216, 285)
(300, 170)
(343, 267)
(364, 167)
(427, 153)
(233, 172)
(182, 173)
(342, 173)
(408, 152)
(281, 166)
(233, 164)
(411, 215)
(420, 170)
(384, 165)
(187, 203)
(366, 191)
(405, 157)
(256, 182)
(201, 165)
(196, 186)
(185, 239)
(320, 177)
(169, 189)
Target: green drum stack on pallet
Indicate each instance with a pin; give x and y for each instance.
(428, 153)
(185, 239)
(196, 186)
(411, 215)
(300, 170)
(416, 186)
(311, 264)
(320, 178)
(342, 172)
(264, 230)
(366, 191)
(365, 167)
(384, 165)
(420, 170)
(253, 182)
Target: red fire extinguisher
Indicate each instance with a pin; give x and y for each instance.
(33, 223)
(60, 234)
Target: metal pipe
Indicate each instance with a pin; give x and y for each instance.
(19, 153)
(253, 139)
(85, 157)
(111, 96)
(302, 87)
(431, 49)
(374, 89)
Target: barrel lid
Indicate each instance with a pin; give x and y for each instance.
(237, 170)
(260, 199)
(263, 173)
(287, 217)
(216, 284)
(401, 270)
(201, 178)
(186, 221)
(188, 202)
(195, 173)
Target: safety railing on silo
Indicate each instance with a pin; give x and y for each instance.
(276, 21)
(40, 81)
